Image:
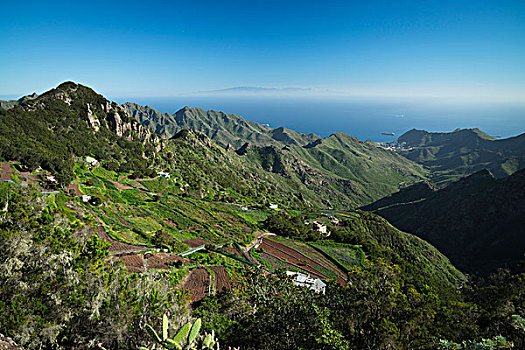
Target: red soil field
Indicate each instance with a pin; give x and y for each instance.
(295, 258)
(161, 260)
(134, 262)
(75, 189)
(121, 186)
(222, 280)
(197, 283)
(116, 246)
(195, 242)
(7, 170)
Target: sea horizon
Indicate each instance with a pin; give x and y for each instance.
(365, 119)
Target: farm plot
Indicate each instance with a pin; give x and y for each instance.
(347, 255)
(328, 267)
(134, 262)
(195, 242)
(295, 258)
(222, 280)
(197, 283)
(116, 246)
(163, 260)
(7, 170)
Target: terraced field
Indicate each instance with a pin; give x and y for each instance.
(300, 256)
(197, 283)
(222, 280)
(347, 255)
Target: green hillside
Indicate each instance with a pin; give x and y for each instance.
(462, 152)
(341, 168)
(73, 121)
(477, 221)
(141, 229)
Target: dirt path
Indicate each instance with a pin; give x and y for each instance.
(122, 178)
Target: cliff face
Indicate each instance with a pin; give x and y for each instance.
(87, 105)
(74, 121)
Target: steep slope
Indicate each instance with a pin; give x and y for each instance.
(161, 123)
(365, 170)
(463, 152)
(224, 129)
(72, 120)
(478, 221)
(339, 165)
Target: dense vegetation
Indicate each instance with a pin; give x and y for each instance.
(478, 221)
(66, 266)
(57, 289)
(463, 152)
(50, 130)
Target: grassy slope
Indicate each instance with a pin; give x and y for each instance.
(462, 152)
(340, 164)
(478, 221)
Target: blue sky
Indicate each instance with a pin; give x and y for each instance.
(464, 49)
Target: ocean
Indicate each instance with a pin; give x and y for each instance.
(364, 118)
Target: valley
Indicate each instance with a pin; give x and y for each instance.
(120, 214)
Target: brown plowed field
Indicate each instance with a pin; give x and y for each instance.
(7, 170)
(116, 246)
(134, 262)
(76, 190)
(222, 280)
(195, 242)
(197, 283)
(291, 256)
(161, 260)
(121, 186)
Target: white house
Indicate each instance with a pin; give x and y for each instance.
(303, 280)
(274, 206)
(86, 198)
(165, 175)
(51, 178)
(91, 161)
(318, 227)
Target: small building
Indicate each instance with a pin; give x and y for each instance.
(303, 280)
(165, 175)
(91, 161)
(50, 178)
(274, 206)
(86, 198)
(318, 227)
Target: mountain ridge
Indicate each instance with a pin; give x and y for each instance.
(360, 169)
(477, 221)
(452, 155)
